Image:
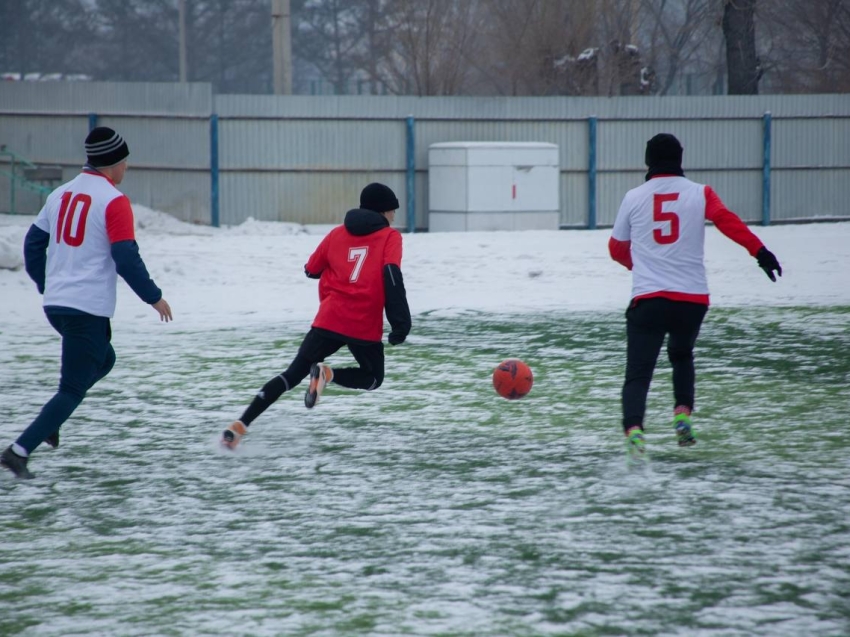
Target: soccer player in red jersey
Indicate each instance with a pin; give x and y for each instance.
(358, 265)
(659, 235)
(81, 240)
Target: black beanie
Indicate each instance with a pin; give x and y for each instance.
(663, 155)
(105, 147)
(379, 198)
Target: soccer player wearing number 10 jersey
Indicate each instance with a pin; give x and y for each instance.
(358, 265)
(81, 240)
(659, 235)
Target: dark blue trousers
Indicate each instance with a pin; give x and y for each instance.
(87, 356)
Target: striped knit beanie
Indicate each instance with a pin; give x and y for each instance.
(105, 147)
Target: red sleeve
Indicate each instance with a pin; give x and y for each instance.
(318, 261)
(119, 220)
(392, 251)
(621, 252)
(729, 223)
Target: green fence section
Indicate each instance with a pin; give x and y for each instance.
(22, 173)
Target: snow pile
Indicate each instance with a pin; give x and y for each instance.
(266, 228)
(12, 247)
(156, 222)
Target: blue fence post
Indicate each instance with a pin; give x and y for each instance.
(411, 175)
(591, 173)
(765, 197)
(214, 170)
(92, 121)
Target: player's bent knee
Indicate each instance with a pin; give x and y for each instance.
(273, 389)
(377, 383)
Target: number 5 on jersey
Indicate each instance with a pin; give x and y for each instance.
(358, 255)
(65, 230)
(669, 218)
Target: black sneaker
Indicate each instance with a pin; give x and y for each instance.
(15, 463)
(53, 439)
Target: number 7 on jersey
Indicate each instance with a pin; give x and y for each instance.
(358, 255)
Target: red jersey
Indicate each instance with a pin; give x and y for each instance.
(351, 285)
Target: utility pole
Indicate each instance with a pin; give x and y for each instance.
(282, 47)
(181, 10)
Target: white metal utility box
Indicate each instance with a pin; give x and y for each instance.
(493, 186)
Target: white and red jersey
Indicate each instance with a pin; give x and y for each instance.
(84, 217)
(659, 234)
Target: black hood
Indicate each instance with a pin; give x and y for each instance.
(361, 222)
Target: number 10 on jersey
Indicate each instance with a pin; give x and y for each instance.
(65, 230)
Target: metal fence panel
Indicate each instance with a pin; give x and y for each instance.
(709, 144)
(822, 142)
(165, 98)
(46, 139)
(570, 137)
(305, 158)
(298, 197)
(312, 145)
(574, 195)
(810, 194)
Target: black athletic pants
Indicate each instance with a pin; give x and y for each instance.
(315, 348)
(647, 322)
(87, 356)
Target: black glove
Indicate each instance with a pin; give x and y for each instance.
(396, 338)
(768, 263)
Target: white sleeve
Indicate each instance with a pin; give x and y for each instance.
(41, 221)
(622, 230)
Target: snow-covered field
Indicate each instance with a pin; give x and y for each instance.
(216, 278)
(431, 506)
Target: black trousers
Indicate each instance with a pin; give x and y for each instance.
(87, 356)
(648, 321)
(319, 344)
(315, 348)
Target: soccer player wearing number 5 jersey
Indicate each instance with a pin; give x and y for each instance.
(659, 235)
(358, 265)
(81, 240)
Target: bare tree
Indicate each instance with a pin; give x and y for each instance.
(531, 45)
(676, 38)
(48, 36)
(435, 39)
(230, 44)
(327, 37)
(807, 45)
(739, 29)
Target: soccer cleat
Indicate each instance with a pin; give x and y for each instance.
(320, 375)
(233, 434)
(15, 463)
(53, 439)
(635, 447)
(684, 430)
